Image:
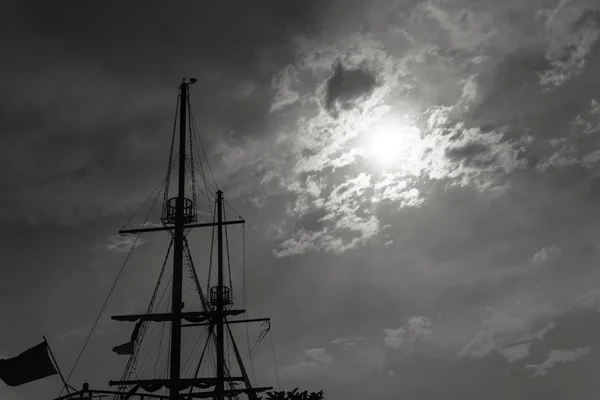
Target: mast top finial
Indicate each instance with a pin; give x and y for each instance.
(190, 82)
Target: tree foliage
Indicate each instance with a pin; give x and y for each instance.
(294, 395)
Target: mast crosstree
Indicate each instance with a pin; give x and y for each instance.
(178, 217)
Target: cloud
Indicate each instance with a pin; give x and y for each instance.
(342, 363)
(69, 334)
(309, 361)
(578, 148)
(509, 327)
(572, 30)
(515, 353)
(557, 357)
(124, 244)
(467, 29)
(588, 299)
(546, 254)
(470, 156)
(347, 86)
(394, 338)
(347, 223)
(319, 355)
(406, 337)
(283, 84)
(395, 188)
(352, 78)
(447, 151)
(346, 343)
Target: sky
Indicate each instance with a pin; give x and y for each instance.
(419, 181)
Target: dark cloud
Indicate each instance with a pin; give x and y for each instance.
(470, 155)
(347, 85)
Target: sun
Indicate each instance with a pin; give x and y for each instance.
(385, 146)
(391, 144)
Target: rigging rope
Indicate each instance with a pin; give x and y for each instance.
(170, 165)
(160, 185)
(192, 173)
(162, 333)
(228, 257)
(131, 363)
(275, 362)
(194, 276)
(212, 247)
(195, 136)
(204, 151)
(245, 301)
(106, 301)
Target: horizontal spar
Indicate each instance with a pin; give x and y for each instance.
(228, 322)
(169, 228)
(185, 383)
(194, 316)
(90, 394)
(85, 394)
(227, 393)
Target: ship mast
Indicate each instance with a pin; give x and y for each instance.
(175, 365)
(179, 215)
(220, 306)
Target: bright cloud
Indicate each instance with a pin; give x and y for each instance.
(515, 353)
(545, 254)
(407, 337)
(503, 328)
(557, 357)
(124, 244)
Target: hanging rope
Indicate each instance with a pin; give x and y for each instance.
(131, 363)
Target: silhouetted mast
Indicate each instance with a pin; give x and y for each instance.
(220, 302)
(178, 216)
(178, 252)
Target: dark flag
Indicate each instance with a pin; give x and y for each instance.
(31, 365)
(129, 347)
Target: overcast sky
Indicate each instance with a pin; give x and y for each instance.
(420, 181)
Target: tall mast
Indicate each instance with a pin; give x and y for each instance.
(178, 217)
(220, 388)
(178, 253)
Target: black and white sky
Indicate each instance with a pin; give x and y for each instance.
(420, 180)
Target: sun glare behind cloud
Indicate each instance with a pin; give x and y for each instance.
(392, 144)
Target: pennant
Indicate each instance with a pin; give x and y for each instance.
(29, 366)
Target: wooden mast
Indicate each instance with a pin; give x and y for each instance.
(178, 220)
(220, 388)
(175, 362)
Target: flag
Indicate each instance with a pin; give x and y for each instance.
(31, 365)
(126, 348)
(129, 347)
